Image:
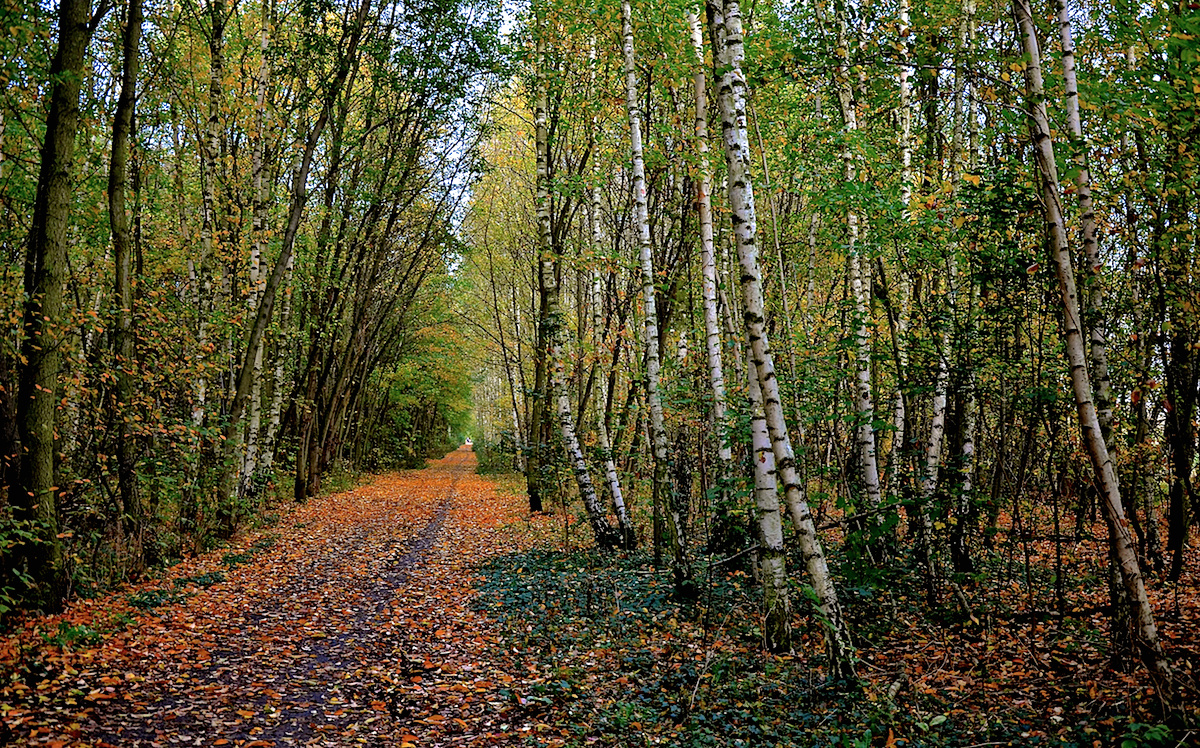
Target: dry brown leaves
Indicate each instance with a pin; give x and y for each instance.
(351, 628)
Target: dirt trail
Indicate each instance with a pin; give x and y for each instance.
(350, 629)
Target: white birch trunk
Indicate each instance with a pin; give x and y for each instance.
(209, 149)
(868, 464)
(1094, 295)
(658, 431)
(555, 322)
(628, 537)
(1120, 538)
(902, 292)
(261, 190)
(278, 382)
(727, 26)
(772, 564)
(708, 258)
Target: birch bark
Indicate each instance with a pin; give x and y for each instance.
(903, 294)
(261, 204)
(772, 562)
(1120, 538)
(666, 510)
(726, 30)
(1094, 295)
(868, 464)
(624, 523)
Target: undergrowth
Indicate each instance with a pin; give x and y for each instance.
(622, 662)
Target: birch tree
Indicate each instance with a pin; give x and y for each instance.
(667, 530)
(726, 30)
(1120, 538)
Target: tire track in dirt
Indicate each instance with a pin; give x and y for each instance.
(296, 666)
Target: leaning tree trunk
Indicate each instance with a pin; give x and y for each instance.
(671, 528)
(1120, 539)
(45, 276)
(624, 522)
(346, 64)
(726, 25)
(554, 323)
(772, 560)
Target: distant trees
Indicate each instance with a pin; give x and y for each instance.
(224, 265)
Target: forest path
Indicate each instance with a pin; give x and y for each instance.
(350, 625)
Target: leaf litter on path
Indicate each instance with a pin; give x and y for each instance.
(353, 627)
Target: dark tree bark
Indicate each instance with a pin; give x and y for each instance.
(45, 274)
(131, 504)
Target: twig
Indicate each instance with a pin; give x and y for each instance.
(720, 561)
(700, 677)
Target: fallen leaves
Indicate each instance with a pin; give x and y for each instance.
(349, 623)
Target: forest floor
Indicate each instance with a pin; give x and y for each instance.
(427, 609)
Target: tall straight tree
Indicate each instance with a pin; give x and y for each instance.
(725, 23)
(666, 512)
(43, 323)
(122, 239)
(708, 287)
(859, 262)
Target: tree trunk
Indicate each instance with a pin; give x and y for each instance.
(606, 537)
(668, 510)
(1120, 538)
(45, 275)
(118, 170)
(624, 523)
(868, 464)
(1094, 295)
(723, 533)
(726, 24)
(261, 189)
(772, 560)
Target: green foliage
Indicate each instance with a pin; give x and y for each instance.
(1142, 735)
(234, 559)
(14, 582)
(70, 636)
(208, 579)
(155, 598)
(495, 457)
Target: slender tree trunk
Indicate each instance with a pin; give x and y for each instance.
(723, 531)
(726, 23)
(772, 559)
(122, 238)
(902, 299)
(667, 510)
(347, 63)
(554, 324)
(261, 190)
(933, 449)
(868, 464)
(1093, 292)
(1120, 538)
(624, 523)
(209, 147)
